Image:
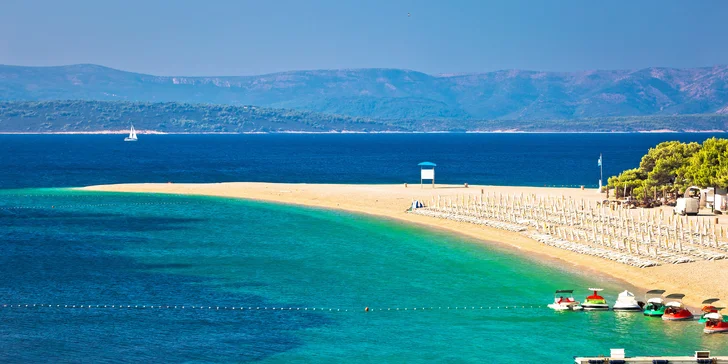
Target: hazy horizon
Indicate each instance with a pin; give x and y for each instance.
(233, 38)
(443, 74)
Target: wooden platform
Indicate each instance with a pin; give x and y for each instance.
(652, 359)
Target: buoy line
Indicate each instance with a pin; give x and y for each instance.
(45, 207)
(263, 308)
(93, 195)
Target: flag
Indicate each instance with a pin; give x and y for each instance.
(599, 162)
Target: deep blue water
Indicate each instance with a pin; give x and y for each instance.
(495, 159)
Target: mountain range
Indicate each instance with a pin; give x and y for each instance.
(396, 94)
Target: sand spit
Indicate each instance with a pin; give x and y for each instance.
(536, 234)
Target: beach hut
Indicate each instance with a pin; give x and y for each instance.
(427, 171)
(720, 200)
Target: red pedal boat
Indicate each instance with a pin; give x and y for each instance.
(675, 310)
(714, 323)
(595, 301)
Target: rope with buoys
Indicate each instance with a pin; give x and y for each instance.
(93, 194)
(265, 308)
(175, 307)
(89, 205)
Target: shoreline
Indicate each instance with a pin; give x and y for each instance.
(698, 280)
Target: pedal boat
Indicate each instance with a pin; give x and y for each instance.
(715, 323)
(595, 302)
(709, 308)
(627, 302)
(655, 306)
(567, 303)
(675, 310)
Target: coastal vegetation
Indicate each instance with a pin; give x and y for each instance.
(174, 117)
(169, 117)
(671, 167)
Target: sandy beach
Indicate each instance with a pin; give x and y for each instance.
(698, 280)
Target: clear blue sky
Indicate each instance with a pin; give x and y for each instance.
(240, 37)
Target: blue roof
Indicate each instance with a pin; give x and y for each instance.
(427, 164)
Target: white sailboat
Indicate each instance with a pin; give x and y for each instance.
(132, 135)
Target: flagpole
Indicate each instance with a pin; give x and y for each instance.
(601, 170)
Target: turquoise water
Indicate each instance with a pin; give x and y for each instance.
(125, 249)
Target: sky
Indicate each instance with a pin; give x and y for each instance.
(241, 37)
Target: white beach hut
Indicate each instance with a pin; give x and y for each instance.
(427, 171)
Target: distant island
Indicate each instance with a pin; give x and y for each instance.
(396, 94)
(80, 116)
(96, 99)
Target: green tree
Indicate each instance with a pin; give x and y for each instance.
(664, 163)
(709, 166)
(667, 150)
(674, 166)
(627, 181)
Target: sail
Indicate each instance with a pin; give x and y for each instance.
(132, 134)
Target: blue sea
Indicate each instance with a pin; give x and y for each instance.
(275, 263)
(493, 159)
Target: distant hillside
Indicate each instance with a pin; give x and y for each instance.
(172, 117)
(399, 94)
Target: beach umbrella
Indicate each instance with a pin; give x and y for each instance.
(680, 245)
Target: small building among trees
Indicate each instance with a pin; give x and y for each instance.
(668, 169)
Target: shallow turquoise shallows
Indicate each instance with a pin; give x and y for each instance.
(77, 248)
